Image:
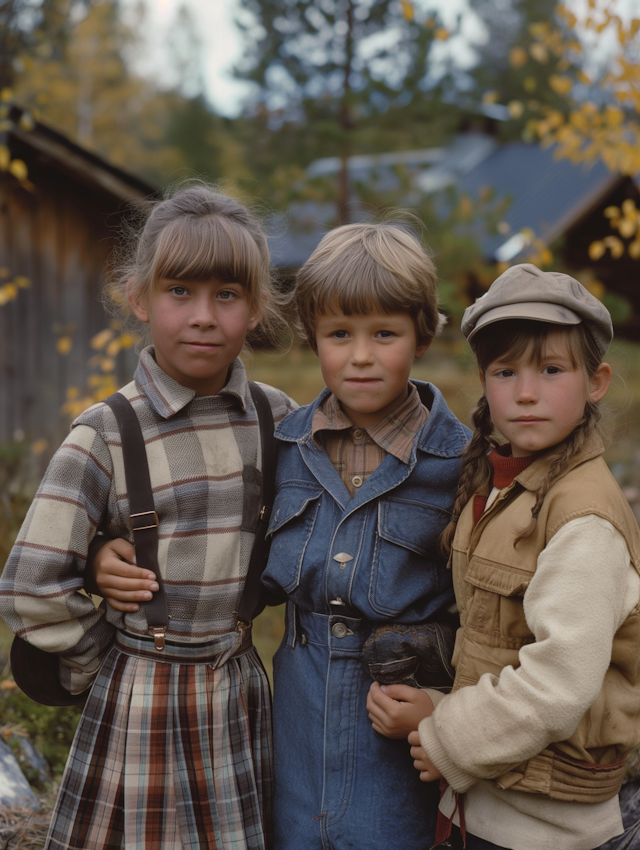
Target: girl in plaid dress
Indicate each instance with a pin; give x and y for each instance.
(173, 749)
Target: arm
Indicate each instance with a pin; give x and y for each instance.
(583, 590)
(40, 589)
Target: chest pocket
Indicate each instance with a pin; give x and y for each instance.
(405, 560)
(293, 519)
(495, 606)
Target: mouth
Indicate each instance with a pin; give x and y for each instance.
(528, 420)
(362, 380)
(201, 346)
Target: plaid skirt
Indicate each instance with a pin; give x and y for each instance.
(170, 755)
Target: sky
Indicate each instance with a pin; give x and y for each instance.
(222, 43)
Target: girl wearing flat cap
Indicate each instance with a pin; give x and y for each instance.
(531, 745)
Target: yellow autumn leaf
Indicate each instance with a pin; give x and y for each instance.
(615, 245)
(530, 84)
(584, 78)
(64, 344)
(627, 227)
(612, 212)
(5, 157)
(102, 338)
(465, 208)
(38, 447)
(6, 95)
(516, 108)
(107, 364)
(517, 57)
(22, 282)
(19, 169)
(490, 97)
(561, 85)
(629, 208)
(442, 34)
(113, 348)
(596, 288)
(4, 273)
(539, 52)
(407, 10)
(634, 250)
(128, 340)
(10, 291)
(596, 250)
(72, 393)
(3, 297)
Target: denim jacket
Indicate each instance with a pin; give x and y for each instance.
(378, 551)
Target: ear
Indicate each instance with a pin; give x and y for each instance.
(420, 350)
(137, 304)
(600, 382)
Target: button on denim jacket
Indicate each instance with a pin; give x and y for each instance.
(378, 551)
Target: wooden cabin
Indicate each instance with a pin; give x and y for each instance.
(57, 231)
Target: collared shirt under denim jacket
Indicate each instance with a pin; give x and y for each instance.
(375, 558)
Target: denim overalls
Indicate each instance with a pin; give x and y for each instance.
(346, 566)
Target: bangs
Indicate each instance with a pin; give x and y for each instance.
(360, 286)
(520, 337)
(200, 248)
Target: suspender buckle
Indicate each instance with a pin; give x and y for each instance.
(265, 511)
(158, 636)
(136, 527)
(242, 627)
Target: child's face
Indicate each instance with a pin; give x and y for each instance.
(366, 360)
(537, 405)
(198, 329)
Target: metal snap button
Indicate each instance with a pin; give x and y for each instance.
(339, 630)
(357, 481)
(358, 434)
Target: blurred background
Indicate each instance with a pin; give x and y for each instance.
(509, 129)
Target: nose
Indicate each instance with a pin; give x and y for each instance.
(203, 314)
(361, 353)
(527, 389)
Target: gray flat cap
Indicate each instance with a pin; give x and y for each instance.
(526, 292)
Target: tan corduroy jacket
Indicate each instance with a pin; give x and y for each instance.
(491, 576)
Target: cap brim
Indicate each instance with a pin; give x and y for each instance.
(537, 311)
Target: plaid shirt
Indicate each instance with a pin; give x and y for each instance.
(357, 452)
(198, 449)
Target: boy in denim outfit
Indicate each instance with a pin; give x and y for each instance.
(365, 484)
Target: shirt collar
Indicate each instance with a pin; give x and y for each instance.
(395, 433)
(167, 397)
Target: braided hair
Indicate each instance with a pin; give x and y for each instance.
(513, 338)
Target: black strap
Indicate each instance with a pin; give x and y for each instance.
(250, 604)
(143, 516)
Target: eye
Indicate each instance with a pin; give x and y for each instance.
(339, 334)
(505, 373)
(552, 370)
(227, 294)
(178, 290)
(385, 334)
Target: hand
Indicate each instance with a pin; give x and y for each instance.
(396, 710)
(121, 583)
(421, 761)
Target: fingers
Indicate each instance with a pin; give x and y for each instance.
(125, 607)
(404, 693)
(120, 547)
(414, 738)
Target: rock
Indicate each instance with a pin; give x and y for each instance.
(33, 763)
(14, 789)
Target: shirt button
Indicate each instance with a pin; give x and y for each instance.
(358, 434)
(339, 630)
(357, 481)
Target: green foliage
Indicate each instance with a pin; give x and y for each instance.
(50, 729)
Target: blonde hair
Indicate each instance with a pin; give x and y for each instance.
(515, 338)
(196, 233)
(362, 267)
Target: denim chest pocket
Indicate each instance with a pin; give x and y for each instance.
(405, 560)
(293, 519)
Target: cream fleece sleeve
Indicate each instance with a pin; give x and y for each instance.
(583, 590)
